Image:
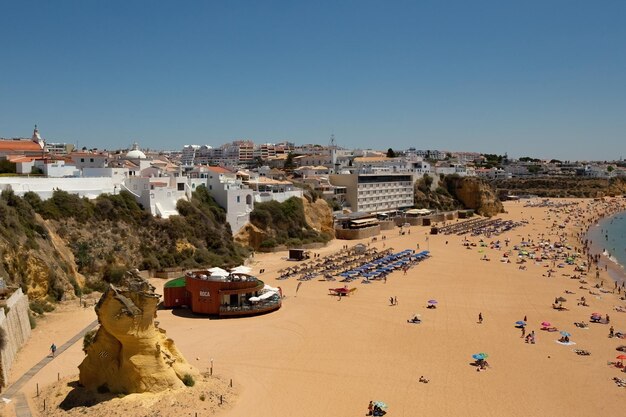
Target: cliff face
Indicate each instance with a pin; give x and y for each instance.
(130, 353)
(291, 223)
(475, 194)
(562, 187)
(55, 247)
(319, 216)
(30, 255)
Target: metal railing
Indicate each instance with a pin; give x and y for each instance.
(264, 305)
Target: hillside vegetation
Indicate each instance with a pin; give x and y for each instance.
(60, 245)
(286, 224)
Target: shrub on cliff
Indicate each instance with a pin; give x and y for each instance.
(286, 223)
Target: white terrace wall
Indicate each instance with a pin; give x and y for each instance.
(17, 328)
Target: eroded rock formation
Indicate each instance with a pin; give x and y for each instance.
(476, 194)
(130, 353)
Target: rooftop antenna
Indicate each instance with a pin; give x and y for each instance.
(333, 154)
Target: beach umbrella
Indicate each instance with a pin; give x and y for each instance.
(546, 324)
(480, 356)
(596, 314)
(565, 334)
(520, 323)
(561, 299)
(621, 357)
(432, 301)
(381, 404)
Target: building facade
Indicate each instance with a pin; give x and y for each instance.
(374, 193)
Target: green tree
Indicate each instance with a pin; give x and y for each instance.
(391, 153)
(610, 168)
(289, 164)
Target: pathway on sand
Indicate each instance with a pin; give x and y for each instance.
(21, 405)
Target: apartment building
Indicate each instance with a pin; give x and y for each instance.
(374, 192)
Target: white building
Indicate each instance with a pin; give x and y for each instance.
(374, 193)
(232, 195)
(158, 195)
(188, 155)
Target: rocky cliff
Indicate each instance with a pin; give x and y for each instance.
(53, 248)
(130, 353)
(29, 253)
(454, 192)
(475, 194)
(562, 186)
(294, 222)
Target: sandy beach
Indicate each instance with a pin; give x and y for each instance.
(320, 355)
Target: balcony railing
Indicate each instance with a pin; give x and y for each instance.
(260, 307)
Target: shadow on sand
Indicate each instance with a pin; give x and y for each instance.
(80, 396)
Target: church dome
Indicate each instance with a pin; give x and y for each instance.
(135, 153)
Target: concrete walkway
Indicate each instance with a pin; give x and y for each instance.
(21, 404)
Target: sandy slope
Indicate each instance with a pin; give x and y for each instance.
(319, 356)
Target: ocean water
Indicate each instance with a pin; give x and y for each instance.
(609, 236)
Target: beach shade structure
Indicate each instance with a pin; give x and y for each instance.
(242, 269)
(565, 334)
(596, 314)
(218, 272)
(381, 404)
(480, 356)
(520, 323)
(546, 324)
(432, 301)
(561, 299)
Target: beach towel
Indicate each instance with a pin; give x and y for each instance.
(564, 343)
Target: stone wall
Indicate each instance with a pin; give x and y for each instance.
(351, 234)
(386, 225)
(17, 328)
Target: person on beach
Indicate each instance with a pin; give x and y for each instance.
(611, 332)
(370, 408)
(53, 349)
(480, 318)
(523, 331)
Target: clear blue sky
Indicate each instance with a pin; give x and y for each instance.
(542, 78)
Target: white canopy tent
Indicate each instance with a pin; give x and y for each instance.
(218, 272)
(242, 269)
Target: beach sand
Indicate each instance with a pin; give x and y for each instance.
(320, 356)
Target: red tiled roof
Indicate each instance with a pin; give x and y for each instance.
(19, 146)
(219, 170)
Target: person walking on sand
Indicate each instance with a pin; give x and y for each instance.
(53, 349)
(523, 331)
(395, 301)
(480, 318)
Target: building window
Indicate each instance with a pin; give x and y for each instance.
(239, 199)
(90, 159)
(181, 186)
(82, 159)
